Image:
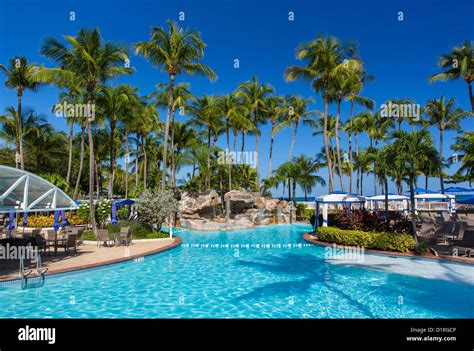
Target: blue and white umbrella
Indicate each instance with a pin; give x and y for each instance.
(11, 225)
(114, 212)
(63, 216)
(56, 221)
(25, 219)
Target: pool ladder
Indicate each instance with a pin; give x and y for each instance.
(25, 276)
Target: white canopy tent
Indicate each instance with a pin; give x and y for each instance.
(21, 191)
(435, 202)
(336, 200)
(397, 203)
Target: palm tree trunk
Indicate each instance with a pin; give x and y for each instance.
(167, 129)
(413, 214)
(69, 162)
(91, 174)
(145, 161)
(269, 170)
(338, 151)
(173, 181)
(228, 150)
(257, 171)
(81, 163)
(350, 147)
(97, 179)
(361, 185)
(294, 191)
(112, 157)
(127, 156)
(236, 134)
(441, 180)
(293, 140)
(357, 155)
(326, 146)
(387, 218)
(20, 129)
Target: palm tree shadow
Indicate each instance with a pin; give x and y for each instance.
(311, 268)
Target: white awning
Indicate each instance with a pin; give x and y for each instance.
(21, 191)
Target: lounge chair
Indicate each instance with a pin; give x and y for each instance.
(42, 244)
(103, 236)
(125, 235)
(70, 243)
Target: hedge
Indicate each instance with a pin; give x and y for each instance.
(371, 240)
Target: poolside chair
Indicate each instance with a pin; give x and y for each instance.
(103, 237)
(70, 243)
(125, 235)
(42, 244)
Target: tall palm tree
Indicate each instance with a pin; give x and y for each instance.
(175, 50)
(207, 115)
(93, 62)
(18, 77)
(230, 107)
(459, 63)
(254, 95)
(410, 151)
(445, 116)
(355, 83)
(322, 56)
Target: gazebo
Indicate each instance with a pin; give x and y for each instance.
(397, 203)
(435, 202)
(335, 200)
(21, 192)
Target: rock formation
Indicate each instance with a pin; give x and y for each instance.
(205, 211)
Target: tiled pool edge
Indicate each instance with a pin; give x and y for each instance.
(309, 238)
(7, 280)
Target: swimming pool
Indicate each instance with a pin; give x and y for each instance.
(268, 272)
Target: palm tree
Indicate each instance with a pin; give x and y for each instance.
(93, 62)
(355, 83)
(231, 109)
(459, 63)
(445, 116)
(115, 103)
(296, 110)
(254, 95)
(410, 151)
(307, 178)
(322, 56)
(18, 77)
(175, 50)
(275, 111)
(207, 115)
(465, 145)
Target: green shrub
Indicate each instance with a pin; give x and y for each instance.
(370, 240)
(88, 235)
(141, 230)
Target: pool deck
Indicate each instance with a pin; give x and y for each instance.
(311, 239)
(89, 256)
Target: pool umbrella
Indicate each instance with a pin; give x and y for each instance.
(11, 225)
(56, 221)
(114, 213)
(63, 216)
(25, 219)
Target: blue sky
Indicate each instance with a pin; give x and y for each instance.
(400, 54)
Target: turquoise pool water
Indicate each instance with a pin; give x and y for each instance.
(262, 273)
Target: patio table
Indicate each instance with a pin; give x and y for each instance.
(56, 242)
